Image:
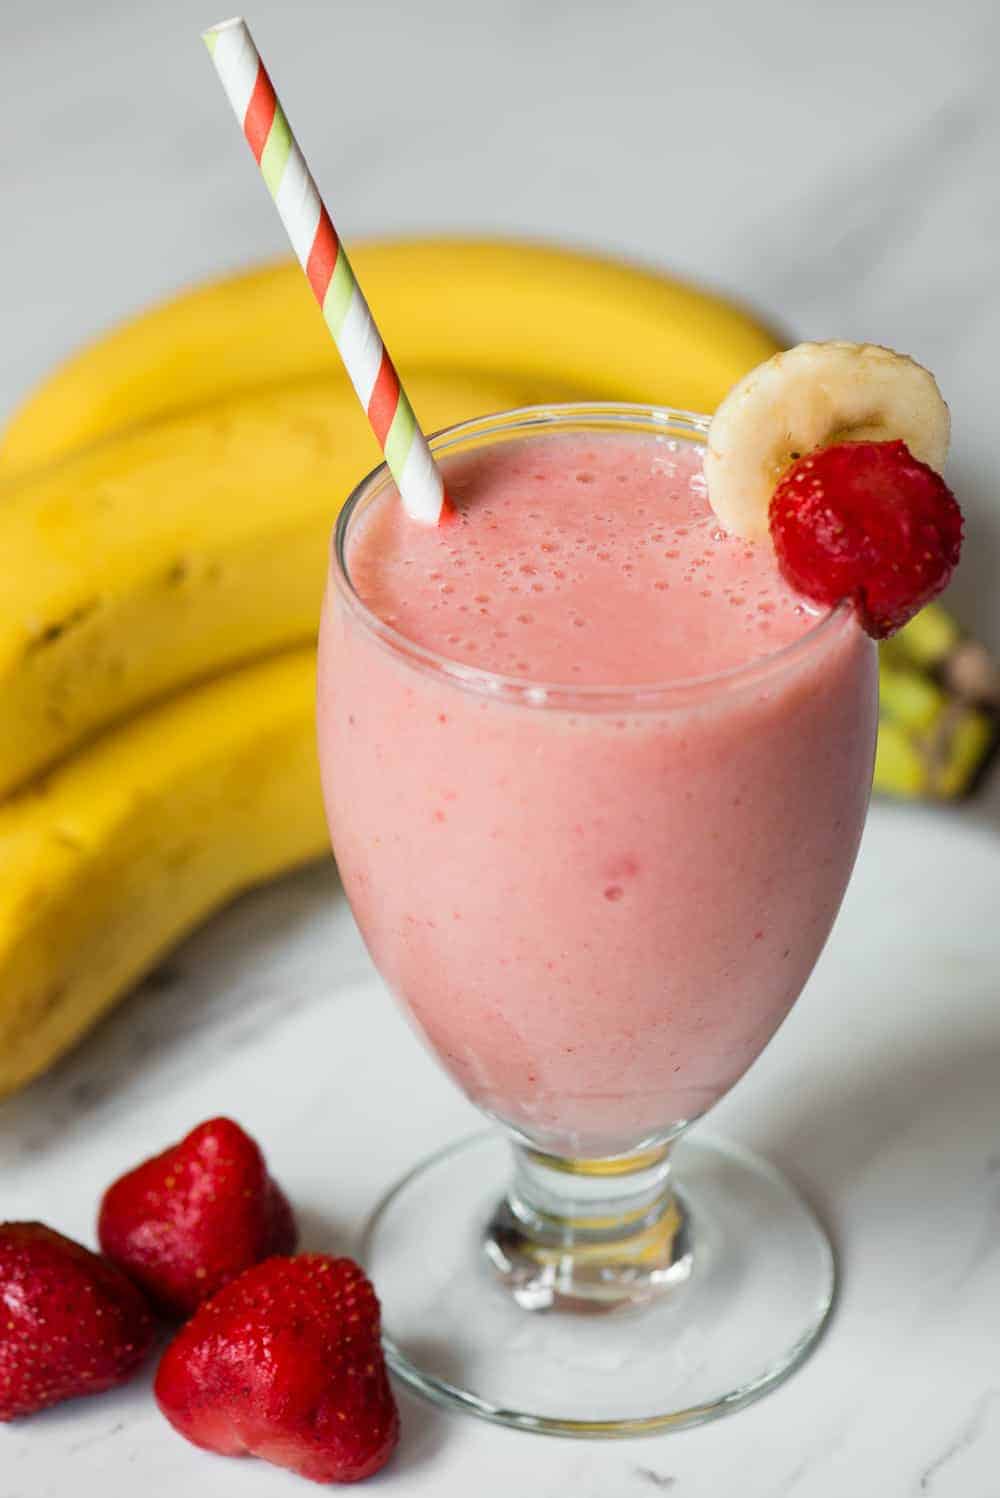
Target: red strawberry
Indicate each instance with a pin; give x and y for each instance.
(867, 521)
(70, 1322)
(285, 1364)
(188, 1221)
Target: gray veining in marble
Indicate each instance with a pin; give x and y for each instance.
(835, 166)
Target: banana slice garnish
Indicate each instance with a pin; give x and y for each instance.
(808, 397)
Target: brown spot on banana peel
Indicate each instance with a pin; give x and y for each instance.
(50, 634)
(182, 570)
(67, 838)
(51, 998)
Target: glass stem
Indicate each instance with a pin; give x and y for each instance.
(589, 1233)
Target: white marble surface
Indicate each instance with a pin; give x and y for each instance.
(836, 166)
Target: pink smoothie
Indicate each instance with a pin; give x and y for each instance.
(597, 905)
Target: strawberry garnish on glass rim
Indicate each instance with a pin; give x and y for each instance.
(869, 522)
(859, 434)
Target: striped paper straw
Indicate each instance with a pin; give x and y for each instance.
(325, 262)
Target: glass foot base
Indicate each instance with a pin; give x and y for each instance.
(756, 1291)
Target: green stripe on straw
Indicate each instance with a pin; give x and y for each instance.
(275, 152)
(338, 295)
(400, 435)
(294, 193)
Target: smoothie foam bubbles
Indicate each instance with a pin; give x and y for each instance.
(578, 560)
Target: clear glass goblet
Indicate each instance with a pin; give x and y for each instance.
(596, 904)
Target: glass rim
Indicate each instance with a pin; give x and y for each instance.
(497, 685)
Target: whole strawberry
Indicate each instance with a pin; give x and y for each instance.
(188, 1221)
(285, 1364)
(866, 521)
(70, 1322)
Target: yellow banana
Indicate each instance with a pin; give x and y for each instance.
(134, 840)
(131, 842)
(197, 539)
(177, 550)
(926, 641)
(939, 709)
(522, 311)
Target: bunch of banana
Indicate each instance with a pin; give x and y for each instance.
(939, 709)
(166, 499)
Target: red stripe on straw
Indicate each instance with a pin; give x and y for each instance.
(259, 117)
(384, 399)
(322, 256)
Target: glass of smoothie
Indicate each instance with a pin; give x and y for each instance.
(596, 779)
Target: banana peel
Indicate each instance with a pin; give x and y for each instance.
(179, 550)
(196, 541)
(532, 313)
(115, 855)
(939, 710)
(166, 499)
(197, 538)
